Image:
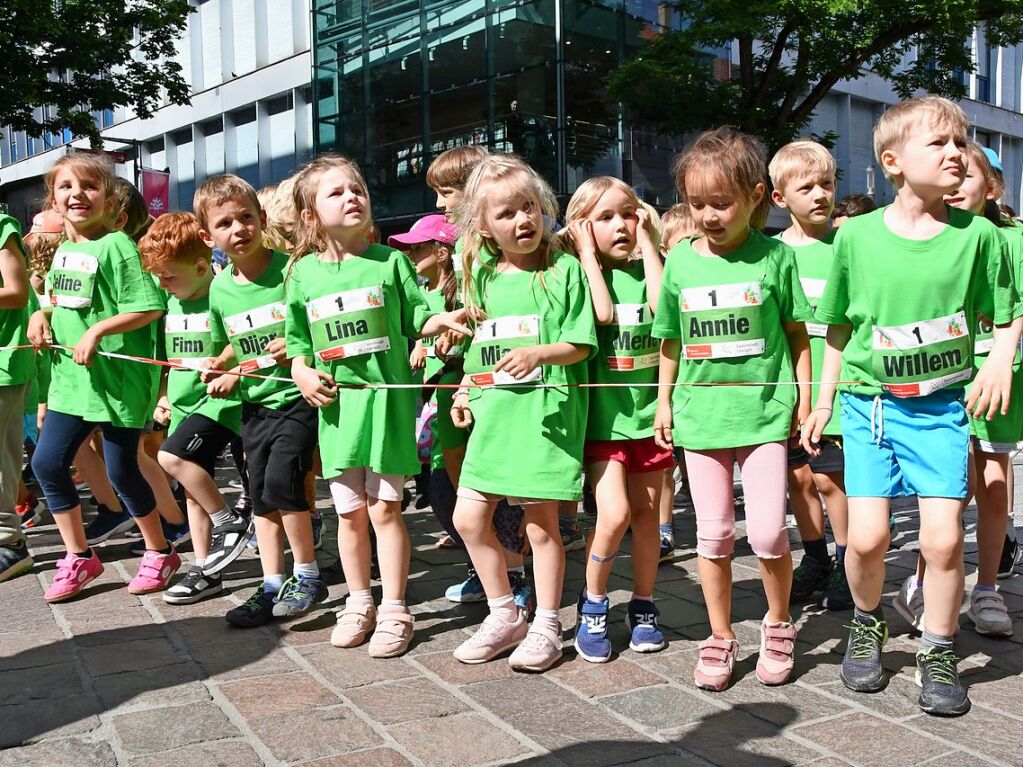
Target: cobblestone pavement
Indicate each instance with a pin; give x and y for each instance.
(116, 679)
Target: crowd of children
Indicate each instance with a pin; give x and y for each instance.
(518, 367)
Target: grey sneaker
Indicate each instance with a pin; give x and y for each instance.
(989, 615)
(861, 666)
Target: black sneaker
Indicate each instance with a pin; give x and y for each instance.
(299, 595)
(257, 610)
(1012, 555)
(836, 594)
(243, 505)
(810, 577)
(194, 587)
(227, 542)
(941, 693)
(15, 560)
(861, 666)
(107, 523)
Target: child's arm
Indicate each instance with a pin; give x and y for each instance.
(417, 358)
(581, 232)
(521, 362)
(667, 374)
(989, 393)
(86, 347)
(38, 331)
(461, 414)
(317, 386)
(14, 293)
(653, 268)
(831, 368)
(799, 347)
(438, 323)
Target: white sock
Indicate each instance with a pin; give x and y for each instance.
(273, 582)
(199, 562)
(503, 606)
(360, 595)
(547, 619)
(392, 602)
(308, 570)
(225, 516)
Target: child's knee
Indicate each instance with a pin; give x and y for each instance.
(942, 548)
(468, 525)
(768, 544)
(47, 466)
(714, 541)
(169, 462)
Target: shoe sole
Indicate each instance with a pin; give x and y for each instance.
(76, 592)
(590, 658)
(21, 568)
(248, 624)
(118, 529)
(963, 708)
(645, 647)
(903, 609)
(236, 552)
(493, 655)
(150, 589)
(536, 668)
(461, 600)
(880, 685)
(190, 600)
(289, 612)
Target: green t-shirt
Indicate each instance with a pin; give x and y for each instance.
(912, 304)
(248, 317)
(626, 353)
(445, 434)
(87, 283)
(729, 312)
(187, 342)
(353, 319)
(16, 366)
(814, 264)
(527, 442)
(39, 388)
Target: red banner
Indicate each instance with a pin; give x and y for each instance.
(156, 191)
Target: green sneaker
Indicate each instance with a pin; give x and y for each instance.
(861, 666)
(937, 674)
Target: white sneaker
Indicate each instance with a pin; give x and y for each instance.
(909, 602)
(988, 613)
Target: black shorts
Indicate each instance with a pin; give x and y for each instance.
(830, 461)
(200, 440)
(279, 453)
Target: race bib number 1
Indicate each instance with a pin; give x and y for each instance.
(720, 321)
(632, 345)
(813, 290)
(494, 339)
(187, 341)
(919, 358)
(72, 279)
(250, 332)
(349, 323)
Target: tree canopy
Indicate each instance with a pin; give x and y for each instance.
(792, 52)
(75, 56)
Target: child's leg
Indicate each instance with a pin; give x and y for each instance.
(166, 503)
(864, 559)
(394, 552)
(270, 537)
(666, 505)
(710, 482)
(198, 483)
(121, 453)
(199, 526)
(941, 546)
(644, 502)
(12, 402)
(806, 503)
(992, 494)
(548, 553)
(90, 465)
(453, 457)
(473, 519)
(442, 502)
(832, 487)
(611, 491)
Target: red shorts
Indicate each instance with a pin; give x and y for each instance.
(638, 456)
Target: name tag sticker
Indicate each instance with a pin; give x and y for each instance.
(721, 321)
(919, 358)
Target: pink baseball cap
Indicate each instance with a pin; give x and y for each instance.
(433, 227)
(46, 221)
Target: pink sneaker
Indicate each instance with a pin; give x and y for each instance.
(494, 636)
(540, 650)
(73, 575)
(354, 624)
(715, 664)
(155, 572)
(393, 633)
(777, 645)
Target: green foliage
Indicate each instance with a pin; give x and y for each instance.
(792, 52)
(70, 57)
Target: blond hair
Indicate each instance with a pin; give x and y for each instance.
(588, 195)
(894, 127)
(218, 190)
(452, 167)
(677, 221)
(94, 167)
(471, 215)
(309, 236)
(800, 158)
(281, 217)
(736, 161)
(41, 248)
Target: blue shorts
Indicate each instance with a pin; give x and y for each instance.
(905, 445)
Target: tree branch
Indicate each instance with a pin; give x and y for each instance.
(772, 65)
(746, 64)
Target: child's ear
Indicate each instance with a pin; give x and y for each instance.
(758, 194)
(890, 163)
(206, 238)
(121, 221)
(778, 199)
(202, 266)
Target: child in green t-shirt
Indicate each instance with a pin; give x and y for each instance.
(200, 426)
(732, 307)
(907, 284)
(351, 308)
(278, 429)
(803, 176)
(534, 325)
(100, 301)
(612, 235)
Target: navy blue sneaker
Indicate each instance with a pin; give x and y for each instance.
(15, 560)
(642, 621)
(257, 610)
(298, 595)
(175, 535)
(107, 523)
(591, 640)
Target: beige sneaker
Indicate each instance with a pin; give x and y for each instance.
(494, 636)
(540, 650)
(393, 633)
(354, 624)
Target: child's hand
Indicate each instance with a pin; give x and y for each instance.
(645, 230)
(417, 359)
(222, 386)
(461, 414)
(455, 321)
(209, 371)
(580, 232)
(519, 363)
(86, 347)
(989, 392)
(813, 428)
(39, 333)
(275, 348)
(662, 427)
(162, 413)
(799, 415)
(317, 387)
(445, 342)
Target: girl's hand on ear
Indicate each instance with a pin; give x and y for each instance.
(580, 232)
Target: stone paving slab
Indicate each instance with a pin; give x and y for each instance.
(112, 679)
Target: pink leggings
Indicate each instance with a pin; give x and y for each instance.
(763, 470)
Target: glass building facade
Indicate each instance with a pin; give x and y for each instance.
(397, 82)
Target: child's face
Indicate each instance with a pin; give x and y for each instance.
(721, 214)
(808, 197)
(931, 161)
(973, 191)
(447, 198)
(80, 200)
(424, 256)
(235, 226)
(184, 279)
(342, 202)
(614, 221)
(513, 220)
